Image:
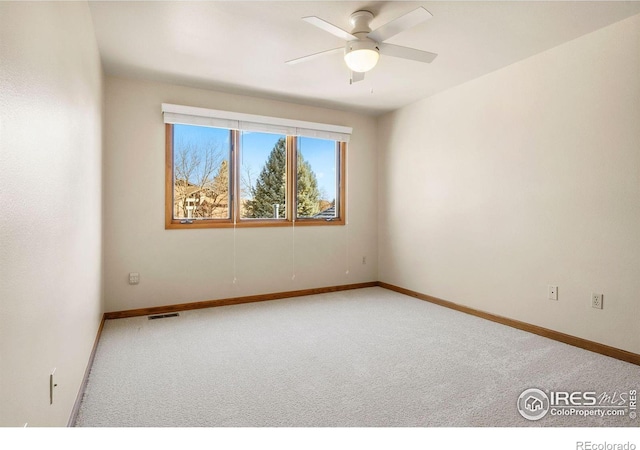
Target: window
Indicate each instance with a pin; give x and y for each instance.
(263, 176)
(223, 173)
(201, 173)
(317, 179)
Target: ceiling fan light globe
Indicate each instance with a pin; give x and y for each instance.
(362, 60)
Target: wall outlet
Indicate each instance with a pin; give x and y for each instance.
(553, 293)
(364, 260)
(134, 278)
(596, 301)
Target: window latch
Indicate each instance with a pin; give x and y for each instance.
(187, 221)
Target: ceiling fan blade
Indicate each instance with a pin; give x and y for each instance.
(314, 55)
(356, 76)
(402, 23)
(330, 28)
(407, 53)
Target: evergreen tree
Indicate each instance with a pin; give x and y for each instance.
(271, 184)
(214, 199)
(220, 185)
(270, 187)
(308, 192)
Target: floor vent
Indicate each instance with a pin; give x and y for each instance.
(163, 316)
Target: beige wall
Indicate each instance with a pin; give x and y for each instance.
(178, 266)
(523, 178)
(50, 196)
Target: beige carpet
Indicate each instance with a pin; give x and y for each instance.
(365, 358)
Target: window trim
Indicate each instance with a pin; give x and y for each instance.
(235, 221)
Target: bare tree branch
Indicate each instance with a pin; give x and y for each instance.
(196, 167)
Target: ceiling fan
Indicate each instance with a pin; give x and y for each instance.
(363, 46)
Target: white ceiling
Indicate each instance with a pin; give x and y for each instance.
(241, 47)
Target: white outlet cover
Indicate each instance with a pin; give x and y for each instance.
(553, 293)
(134, 278)
(596, 301)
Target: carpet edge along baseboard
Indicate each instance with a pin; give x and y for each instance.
(85, 378)
(234, 301)
(585, 344)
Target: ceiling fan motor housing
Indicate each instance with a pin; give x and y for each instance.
(361, 44)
